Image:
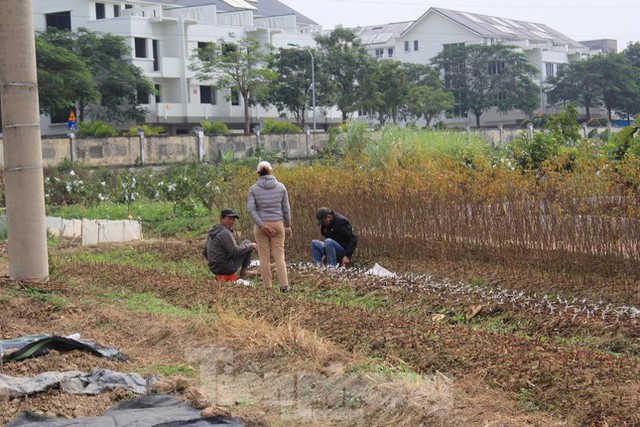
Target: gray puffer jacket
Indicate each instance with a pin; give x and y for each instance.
(221, 247)
(268, 200)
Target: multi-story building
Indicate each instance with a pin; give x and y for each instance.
(163, 35)
(420, 40)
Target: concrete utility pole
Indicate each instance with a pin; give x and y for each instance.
(24, 186)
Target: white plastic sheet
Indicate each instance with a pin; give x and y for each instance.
(380, 271)
(96, 231)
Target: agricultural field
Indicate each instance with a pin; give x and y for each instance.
(515, 299)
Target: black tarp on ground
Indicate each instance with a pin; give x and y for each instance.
(37, 345)
(147, 411)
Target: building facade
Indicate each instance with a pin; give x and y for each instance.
(163, 35)
(420, 40)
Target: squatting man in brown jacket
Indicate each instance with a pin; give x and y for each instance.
(223, 255)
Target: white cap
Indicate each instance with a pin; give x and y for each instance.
(263, 164)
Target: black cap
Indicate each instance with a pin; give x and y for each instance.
(228, 212)
(322, 214)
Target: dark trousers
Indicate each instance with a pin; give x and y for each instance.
(233, 264)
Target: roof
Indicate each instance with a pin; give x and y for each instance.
(262, 8)
(382, 34)
(504, 28)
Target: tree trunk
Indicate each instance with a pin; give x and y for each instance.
(478, 119)
(247, 115)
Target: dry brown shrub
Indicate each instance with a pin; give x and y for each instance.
(257, 337)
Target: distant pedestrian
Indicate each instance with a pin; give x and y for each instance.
(340, 240)
(268, 204)
(223, 255)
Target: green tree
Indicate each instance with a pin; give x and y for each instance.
(238, 65)
(577, 83)
(291, 89)
(427, 97)
(345, 61)
(483, 77)
(63, 78)
(385, 89)
(610, 80)
(122, 85)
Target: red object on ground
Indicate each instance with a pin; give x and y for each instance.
(227, 277)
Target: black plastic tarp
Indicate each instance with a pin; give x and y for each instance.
(38, 345)
(146, 411)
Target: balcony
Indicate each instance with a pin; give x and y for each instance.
(154, 13)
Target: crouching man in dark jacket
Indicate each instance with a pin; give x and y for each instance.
(222, 253)
(340, 240)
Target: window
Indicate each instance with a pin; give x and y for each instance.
(59, 20)
(207, 95)
(128, 6)
(496, 67)
(449, 46)
(415, 45)
(205, 47)
(158, 94)
(550, 69)
(235, 97)
(116, 10)
(406, 46)
(141, 47)
(142, 95)
(228, 47)
(100, 11)
(156, 52)
(390, 52)
(379, 53)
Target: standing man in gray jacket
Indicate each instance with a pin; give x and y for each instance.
(223, 255)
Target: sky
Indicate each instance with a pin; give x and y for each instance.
(579, 19)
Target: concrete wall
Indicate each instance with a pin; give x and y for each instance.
(126, 151)
(122, 151)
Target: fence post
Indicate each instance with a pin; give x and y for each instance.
(141, 136)
(530, 128)
(584, 129)
(257, 130)
(500, 130)
(307, 133)
(200, 135)
(72, 145)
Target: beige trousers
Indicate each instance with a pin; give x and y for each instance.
(272, 245)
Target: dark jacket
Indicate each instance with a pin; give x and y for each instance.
(221, 248)
(341, 231)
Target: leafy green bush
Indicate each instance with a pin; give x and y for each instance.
(215, 128)
(272, 127)
(96, 128)
(529, 152)
(147, 129)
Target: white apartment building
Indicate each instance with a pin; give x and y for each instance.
(163, 35)
(421, 40)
